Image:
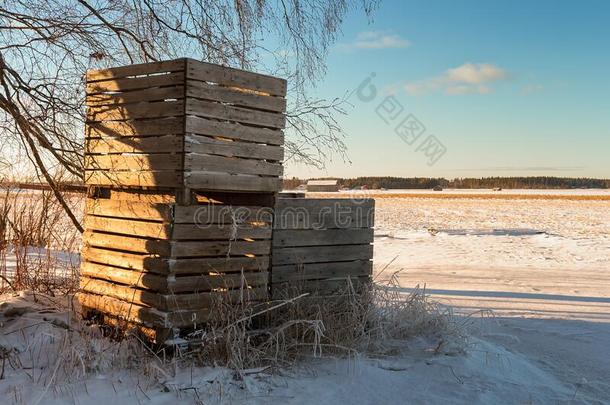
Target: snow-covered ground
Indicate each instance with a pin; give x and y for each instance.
(528, 279)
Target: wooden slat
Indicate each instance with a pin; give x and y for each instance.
(232, 130)
(144, 280)
(151, 144)
(207, 282)
(123, 310)
(134, 83)
(206, 300)
(290, 238)
(141, 162)
(125, 112)
(128, 261)
(160, 126)
(234, 77)
(320, 254)
(133, 179)
(227, 182)
(136, 96)
(210, 163)
(219, 232)
(221, 214)
(127, 244)
(221, 248)
(165, 302)
(144, 196)
(173, 285)
(136, 69)
(156, 230)
(220, 265)
(332, 287)
(208, 109)
(206, 91)
(314, 271)
(339, 214)
(204, 144)
(315, 204)
(129, 209)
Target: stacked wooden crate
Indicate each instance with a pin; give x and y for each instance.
(319, 243)
(183, 160)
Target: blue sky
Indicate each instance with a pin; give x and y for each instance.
(509, 88)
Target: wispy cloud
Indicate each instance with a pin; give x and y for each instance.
(469, 78)
(375, 40)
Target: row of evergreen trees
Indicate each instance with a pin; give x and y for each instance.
(543, 182)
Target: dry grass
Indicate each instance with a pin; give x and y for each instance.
(38, 246)
(375, 320)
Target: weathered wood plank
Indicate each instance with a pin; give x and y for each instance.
(314, 271)
(129, 261)
(133, 179)
(227, 182)
(136, 70)
(320, 288)
(211, 163)
(141, 162)
(218, 265)
(126, 112)
(219, 248)
(324, 237)
(319, 254)
(144, 280)
(134, 83)
(235, 77)
(220, 232)
(118, 129)
(123, 310)
(222, 214)
(166, 302)
(144, 229)
(232, 130)
(228, 147)
(144, 196)
(127, 243)
(208, 109)
(208, 282)
(129, 209)
(151, 144)
(315, 204)
(337, 214)
(136, 96)
(206, 91)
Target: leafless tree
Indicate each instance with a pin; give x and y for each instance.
(47, 45)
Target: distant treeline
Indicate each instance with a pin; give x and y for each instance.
(486, 182)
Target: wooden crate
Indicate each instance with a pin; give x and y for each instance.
(184, 123)
(319, 243)
(152, 261)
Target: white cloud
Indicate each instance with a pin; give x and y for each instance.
(469, 78)
(376, 40)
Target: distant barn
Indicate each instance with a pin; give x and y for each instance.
(323, 185)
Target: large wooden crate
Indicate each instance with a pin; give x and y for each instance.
(183, 160)
(152, 261)
(319, 243)
(184, 123)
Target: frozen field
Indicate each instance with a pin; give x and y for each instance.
(528, 278)
(535, 274)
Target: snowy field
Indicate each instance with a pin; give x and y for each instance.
(535, 274)
(528, 280)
